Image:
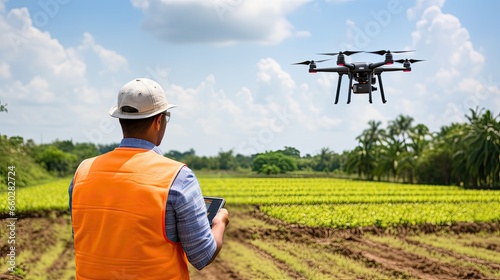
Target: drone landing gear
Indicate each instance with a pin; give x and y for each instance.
(338, 89)
(349, 90)
(370, 89)
(381, 87)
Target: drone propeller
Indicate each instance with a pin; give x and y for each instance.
(408, 60)
(348, 53)
(382, 52)
(307, 62)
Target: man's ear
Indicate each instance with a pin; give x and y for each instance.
(158, 120)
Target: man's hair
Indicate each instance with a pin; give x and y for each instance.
(136, 126)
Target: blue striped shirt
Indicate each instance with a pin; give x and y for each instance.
(186, 217)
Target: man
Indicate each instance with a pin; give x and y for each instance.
(135, 213)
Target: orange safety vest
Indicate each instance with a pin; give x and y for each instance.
(118, 217)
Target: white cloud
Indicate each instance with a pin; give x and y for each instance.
(26, 52)
(444, 38)
(33, 55)
(41, 77)
(220, 22)
(421, 5)
(5, 70)
(35, 92)
(112, 61)
(268, 71)
(453, 66)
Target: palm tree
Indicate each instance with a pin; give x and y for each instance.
(482, 143)
(401, 127)
(364, 156)
(398, 137)
(389, 156)
(325, 160)
(3, 108)
(418, 142)
(435, 162)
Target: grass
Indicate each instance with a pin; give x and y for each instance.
(249, 263)
(293, 263)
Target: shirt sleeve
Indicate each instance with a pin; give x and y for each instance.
(70, 193)
(193, 229)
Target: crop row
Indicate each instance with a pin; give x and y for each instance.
(314, 202)
(49, 196)
(284, 191)
(384, 215)
(339, 203)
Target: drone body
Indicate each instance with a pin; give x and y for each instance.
(363, 73)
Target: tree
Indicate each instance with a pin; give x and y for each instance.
(3, 108)
(482, 149)
(399, 133)
(363, 159)
(389, 156)
(84, 150)
(417, 143)
(56, 161)
(401, 127)
(242, 161)
(435, 161)
(226, 160)
(174, 154)
(273, 163)
(291, 152)
(326, 161)
(104, 148)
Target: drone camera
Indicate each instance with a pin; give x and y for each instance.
(362, 88)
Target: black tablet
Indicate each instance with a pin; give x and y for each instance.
(213, 204)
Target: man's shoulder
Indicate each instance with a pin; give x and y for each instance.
(173, 161)
(87, 162)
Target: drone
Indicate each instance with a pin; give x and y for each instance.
(362, 72)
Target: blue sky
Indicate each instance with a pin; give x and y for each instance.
(227, 64)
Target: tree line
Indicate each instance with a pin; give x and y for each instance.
(466, 154)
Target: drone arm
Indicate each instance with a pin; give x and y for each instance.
(349, 65)
(340, 70)
(377, 64)
(380, 70)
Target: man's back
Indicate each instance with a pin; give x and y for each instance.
(118, 214)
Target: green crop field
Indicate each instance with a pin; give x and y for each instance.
(302, 228)
(346, 203)
(318, 202)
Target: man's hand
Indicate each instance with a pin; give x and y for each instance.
(221, 217)
(219, 224)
